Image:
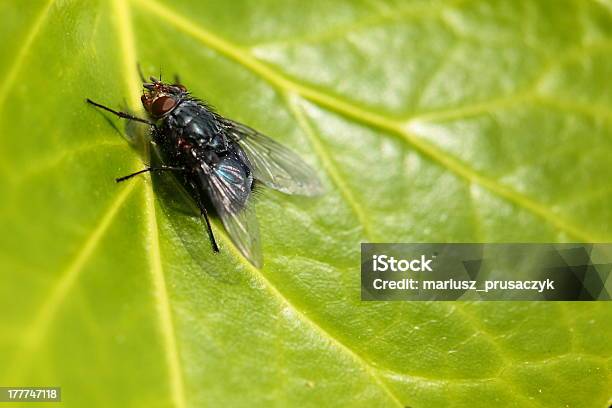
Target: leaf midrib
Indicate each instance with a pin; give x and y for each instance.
(162, 298)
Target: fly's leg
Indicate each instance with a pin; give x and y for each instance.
(149, 169)
(177, 80)
(123, 115)
(204, 213)
(213, 242)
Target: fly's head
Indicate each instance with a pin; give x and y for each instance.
(159, 98)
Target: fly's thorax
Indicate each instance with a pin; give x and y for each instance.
(193, 122)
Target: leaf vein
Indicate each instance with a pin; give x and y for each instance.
(388, 16)
(299, 115)
(23, 52)
(39, 327)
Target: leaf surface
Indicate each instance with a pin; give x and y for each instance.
(444, 121)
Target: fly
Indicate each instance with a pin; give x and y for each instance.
(218, 160)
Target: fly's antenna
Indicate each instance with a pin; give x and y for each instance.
(160, 74)
(139, 68)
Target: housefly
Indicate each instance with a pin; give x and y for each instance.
(218, 161)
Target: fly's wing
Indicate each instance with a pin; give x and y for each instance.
(273, 164)
(227, 191)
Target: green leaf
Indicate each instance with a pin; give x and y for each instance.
(445, 121)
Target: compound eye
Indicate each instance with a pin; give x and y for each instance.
(162, 105)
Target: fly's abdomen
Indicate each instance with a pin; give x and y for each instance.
(231, 177)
